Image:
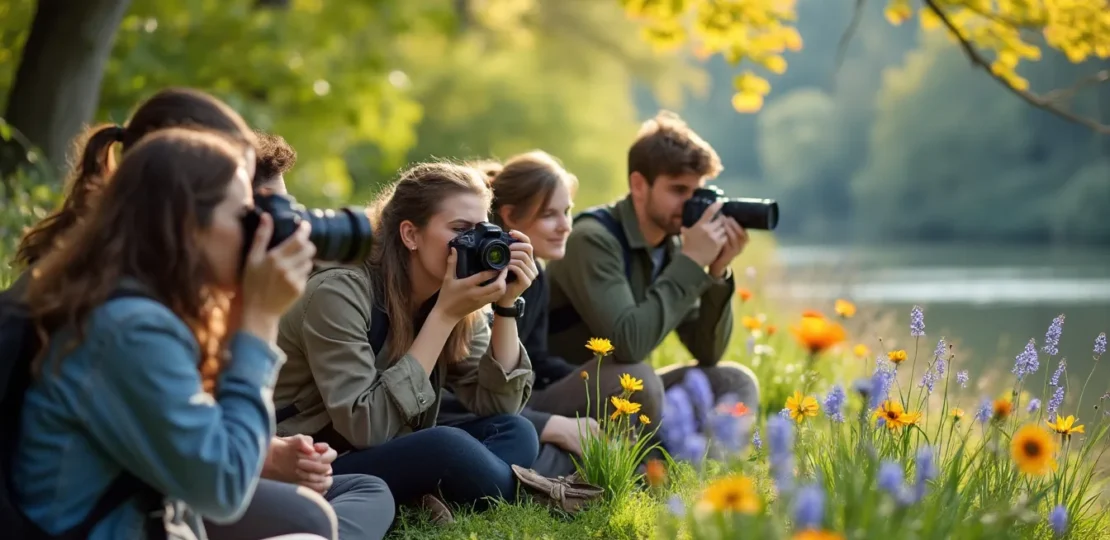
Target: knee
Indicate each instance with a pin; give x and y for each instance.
(736, 379)
(651, 397)
(316, 516)
(373, 490)
(520, 436)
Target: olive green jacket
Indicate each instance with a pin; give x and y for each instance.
(636, 316)
(332, 376)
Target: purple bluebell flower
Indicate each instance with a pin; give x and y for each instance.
(1026, 362)
(985, 411)
(693, 448)
(728, 429)
(961, 378)
(679, 421)
(834, 403)
(785, 413)
(1100, 343)
(917, 322)
(890, 477)
(1055, 402)
(941, 352)
(756, 441)
(1058, 519)
(1034, 405)
(881, 382)
(1052, 337)
(929, 380)
(701, 393)
(926, 469)
(809, 507)
(780, 445)
(1055, 381)
(676, 506)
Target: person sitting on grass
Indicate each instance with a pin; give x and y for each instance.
(161, 391)
(370, 347)
(532, 193)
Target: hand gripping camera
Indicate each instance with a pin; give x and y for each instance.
(484, 247)
(760, 214)
(342, 235)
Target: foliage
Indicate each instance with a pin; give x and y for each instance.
(27, 198)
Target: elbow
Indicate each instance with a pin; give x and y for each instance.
(225, 500)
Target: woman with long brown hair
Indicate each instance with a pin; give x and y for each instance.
(141, 389)
(376, 396)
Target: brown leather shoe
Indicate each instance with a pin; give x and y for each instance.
(441, 515)
(568, 494)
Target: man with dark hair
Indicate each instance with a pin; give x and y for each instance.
(633, 274)
(275, 158)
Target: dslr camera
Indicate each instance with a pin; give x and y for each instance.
(342, 235)
(760, 214)
(484, 247)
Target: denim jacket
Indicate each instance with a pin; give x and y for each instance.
(129, 397)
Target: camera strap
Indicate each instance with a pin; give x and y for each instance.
(564, 317)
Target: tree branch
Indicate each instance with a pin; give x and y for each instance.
(1045, 103)
(846, 38)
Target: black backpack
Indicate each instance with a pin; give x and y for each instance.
(20, 343)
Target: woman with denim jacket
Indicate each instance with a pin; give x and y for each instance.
(171, 384)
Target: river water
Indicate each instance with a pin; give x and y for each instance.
(988, 300)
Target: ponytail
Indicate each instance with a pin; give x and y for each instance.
(96, 162)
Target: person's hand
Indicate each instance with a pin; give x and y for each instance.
(314, 467)
(567, 433)
(702, 242)
(523, 265)
(461, 297)
(736, 240)
(274, 279)
(283, 456)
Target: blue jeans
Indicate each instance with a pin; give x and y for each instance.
(463, 463)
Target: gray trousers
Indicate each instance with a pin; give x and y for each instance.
(357, 507)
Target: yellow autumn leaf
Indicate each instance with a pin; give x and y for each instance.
(751, 83)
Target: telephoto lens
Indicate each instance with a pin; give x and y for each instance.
(343, 236)
(757, 214)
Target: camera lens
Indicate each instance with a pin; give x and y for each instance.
(495, 255)
(342, 235)
(756, 214)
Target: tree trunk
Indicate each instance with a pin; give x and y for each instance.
(57, 86)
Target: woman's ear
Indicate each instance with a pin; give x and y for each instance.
(504, 212)
(409, 235)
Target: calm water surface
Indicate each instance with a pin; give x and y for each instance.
(990, 300)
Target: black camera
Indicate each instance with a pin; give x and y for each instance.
(342, 235)
(761, 214)
(485, 247)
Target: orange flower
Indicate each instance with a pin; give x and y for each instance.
(814, 534)
(1002, 408)
(844, 308)
(897, 356)
(751, 323)
(655, 472)
(818, 334)
(744, 294)
(861, 351)
(739, 409)
(771, 329)
(813, 313)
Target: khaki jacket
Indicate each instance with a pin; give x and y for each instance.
(637, 314)
(333, 377)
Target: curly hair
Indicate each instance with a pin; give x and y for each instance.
(275, 157)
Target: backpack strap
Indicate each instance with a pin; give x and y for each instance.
(564, 317)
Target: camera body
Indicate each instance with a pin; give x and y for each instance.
(342, 235)
(759, 214)
(484, 247)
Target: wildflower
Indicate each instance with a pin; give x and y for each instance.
(732, 493)
(756, 441)
(1026, 362)
(585, 376)
(844, 308)
(644, 419)
(926, 469)
(814, 534)
(1100, 343)
(862, 387)
(929, 380)
(654, 472)
(961, 378)
(1052, 337)
(897, 357)
(1002, 408)
(600, 346)
(890, 477)
(1065, 426)
(623, 406)
(763, 350)
(809, 507)
(818, 333)
(751, 323)
(957, 414)
(834, 403)
(744, 294)
(726, 425)
(771, 329)
(780, 442)
(801, 406)
(895, 416)
(736, 409)
(1055, 380)
(1032, 448)
(917, 322)
(631, 384)
(680, 421)
(983, 413)
(1034, 405)
(701, 394)
(861, 351)
(941, 352)
(1058, 519)
(692, 448)
(1055, 402)
(881, 381)
(675, 506)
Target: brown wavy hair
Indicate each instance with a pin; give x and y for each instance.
(143, 227)
(416, 196)
(525, 182)
(171, 107)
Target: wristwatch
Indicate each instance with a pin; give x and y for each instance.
(516, 312)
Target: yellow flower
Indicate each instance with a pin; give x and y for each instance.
(1032, 449)
(732, 494)
(585, 376)
(623, 406)
(897, 356)
(801, 407)
(644, 419)
(861, 351)
(749, 322)
(894, 416)
(600, 346)
(844, 308)
(814, 534)
(1065, 426)
(1002, 408)
(630, 383)
(957, 414)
